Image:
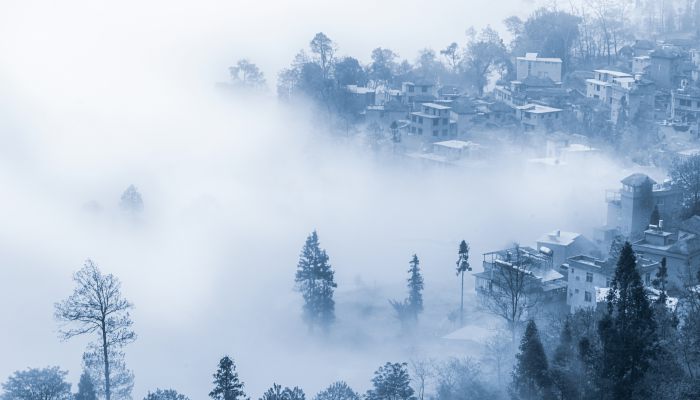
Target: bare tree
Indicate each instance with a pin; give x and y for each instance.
(500, 352)
(422, 369)
(514, 291)
(97, 307)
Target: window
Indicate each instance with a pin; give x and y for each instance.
(589, 277)
(587, 297)
(435, 122)
(572, 270)
(420, 131)
(435, 133)
(444, 121)
(410, 89)
(420, 120)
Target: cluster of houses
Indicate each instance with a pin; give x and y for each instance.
(568, 271)
(659, 82)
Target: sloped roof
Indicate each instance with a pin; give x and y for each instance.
(637, 179)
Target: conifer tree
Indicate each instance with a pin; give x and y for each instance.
(661, 281)
(86, 388)
(391, 382)
(627, 331)
(531, 377)
(338, 391)
(462, 267)
(314, 279)
(415, 287)
(655, 216)
(564, 379)
(227, 385)
(277, 393)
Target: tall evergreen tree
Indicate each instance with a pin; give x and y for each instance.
(86, 388)
(338, 391)
(277, 393)
(531, 378)
(661, 281)
(564, 378)
(314, 279)
(462, 267)
(627, 331)
(655, 216)
(227, 385)
(415, 287)
(391, 382)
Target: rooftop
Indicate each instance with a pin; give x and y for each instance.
(456, 144)
(637, 179)
(436, 106)
(533, 57)
(616, 74)
(537, 109)
(559, 237)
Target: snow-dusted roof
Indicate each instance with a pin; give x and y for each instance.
(616, 74)
(456, 144)
(436, 106)
(559, 237)
(537, 109)
(533, 57)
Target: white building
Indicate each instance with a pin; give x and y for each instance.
(531, 65)
(536, 116)
(600, 87)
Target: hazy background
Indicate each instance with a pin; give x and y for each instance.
(95, 96)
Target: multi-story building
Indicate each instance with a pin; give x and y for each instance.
(587, 275)
(665, 68)
(681, 249)
(536, 116)
(432, 122)
(564, 244)
(685, 105)
(415, 93)
(600, 87)
(538, 280)
(532, 65)
(629, 209)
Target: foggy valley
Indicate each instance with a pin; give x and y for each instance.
(192, 151)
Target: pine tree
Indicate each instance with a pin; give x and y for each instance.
(564, 379)
(627, 331)
(415, 287)
(661, 281)
(391, 382)
(314, 279)
(86, 388)
(338, 391)
(277, 393)
(615, 248)
(531, 378)
(131, 200)
(227, 386)
(655, 216)
(462, 267)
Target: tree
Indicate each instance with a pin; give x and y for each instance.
(685, 176)
(391, 382)
(167, 394)
(121, 379)
(37, 384)
(551, 33)
(86, 388)
(324, 50)
(452, 55)
(660, 281)
(131, 200)
(485, 55)
(247, 75)
(383, 66)
(616, 248)
(314, 279)
(415, 287)
(460, 378)
(564, 376)
(531, 379)
(97, 307)
(227, 385)
(338, 391)
(655, 216)
(277, 393)
(514, 291)
(462, 267)
(348, 71)
(627, 331)
(422, 369)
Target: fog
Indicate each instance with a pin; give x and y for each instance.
(97, 96)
